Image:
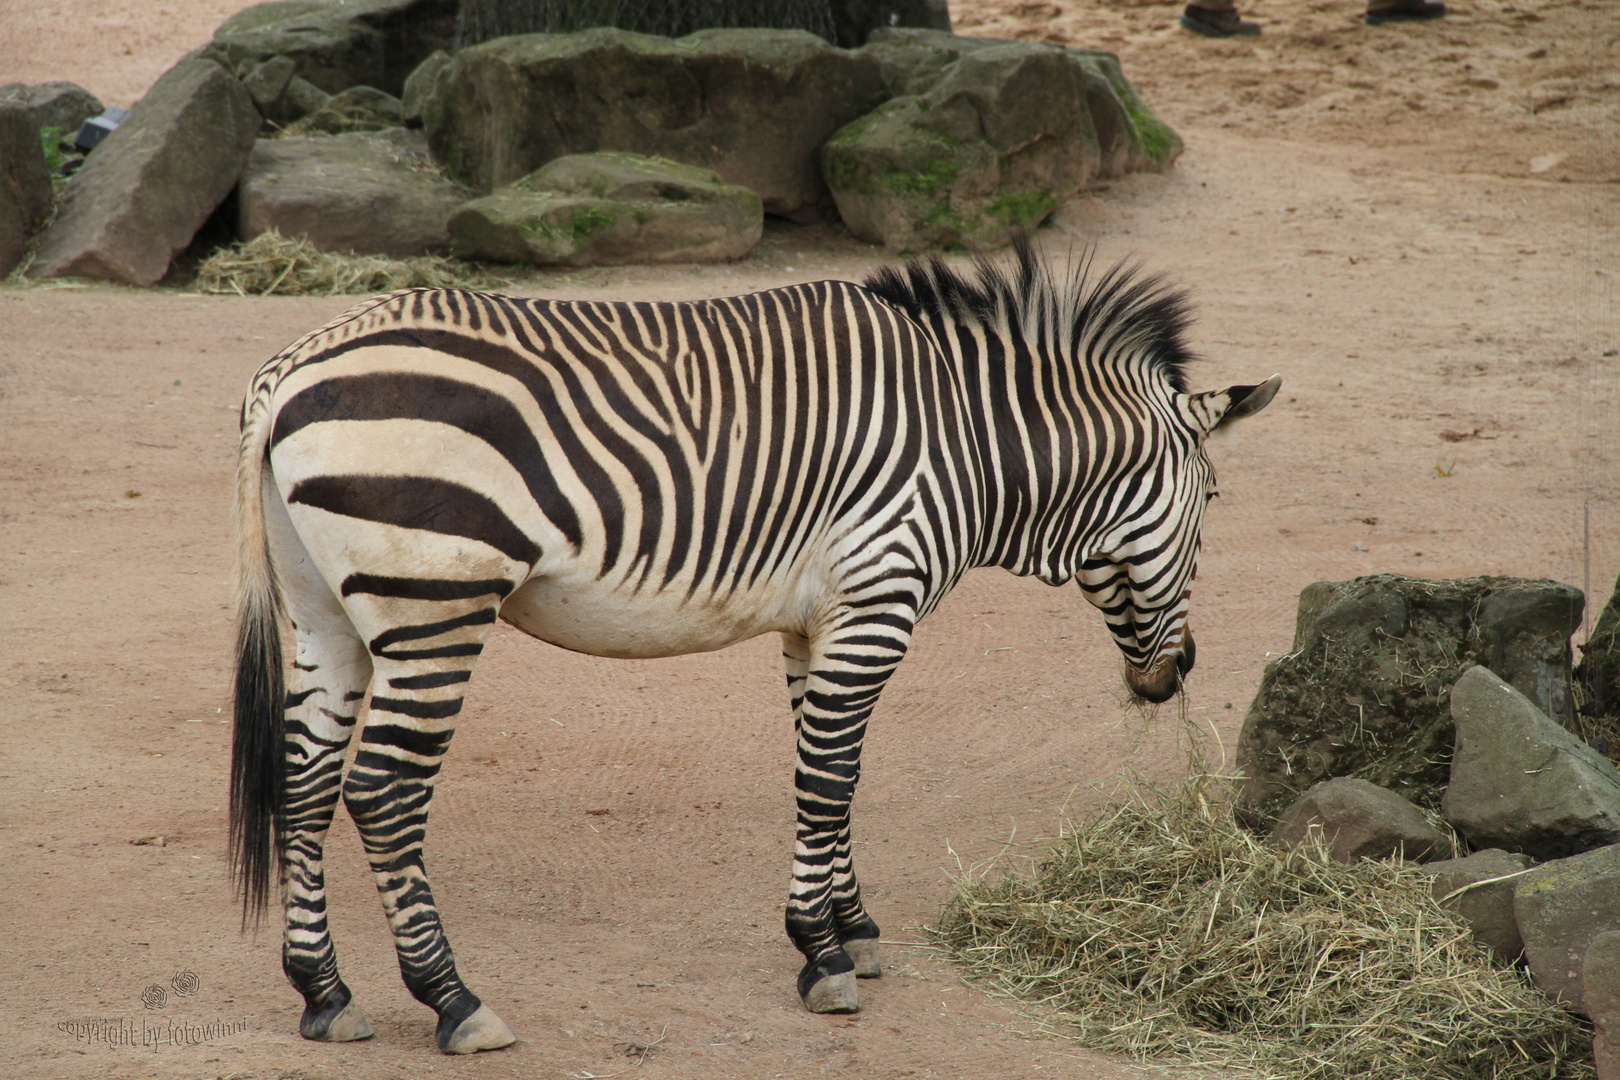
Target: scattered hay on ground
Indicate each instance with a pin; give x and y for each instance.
(272, 264)
(1163, 929)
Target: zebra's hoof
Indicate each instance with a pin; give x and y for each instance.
(834, 994)
(483, 1030)
(345, 1024)
(864, 953)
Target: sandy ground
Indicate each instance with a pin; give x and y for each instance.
(1357, 209)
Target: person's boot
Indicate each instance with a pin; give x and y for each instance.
(1218, 24)
(1403, 11)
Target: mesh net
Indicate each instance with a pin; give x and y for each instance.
(481, 20)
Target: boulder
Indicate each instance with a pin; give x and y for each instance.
(752, 105)
(1364, 689)
(1130, 137)
(420, 86)
(1599, 672)
(338, 45)
(148, 187)
(610, 209)
(1357, 820)
(25, 183)
(1561, 907)
(1600, 977)
(359, 108)
(1002, 139)
(994, 136)
(1522, 782)
(369, 194)
(1480, 889)
(59, 104)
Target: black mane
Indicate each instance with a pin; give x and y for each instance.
(1121, 308)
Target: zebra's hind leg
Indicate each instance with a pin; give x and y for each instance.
(330, 673)
(834, 683)
(423, 661)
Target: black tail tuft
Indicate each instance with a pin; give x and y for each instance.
(256, 756)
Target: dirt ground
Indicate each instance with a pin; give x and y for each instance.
(1418, 227)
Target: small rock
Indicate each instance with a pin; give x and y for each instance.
(1520, 781)
(1561, 907)
(25, 183)
(58, 104)
(1600, 977)
(267, 84)
(1600, 661)
(1487, 908)
(370, 194)
(359, 108)
(421, 85)
(145, 191)
(610, 209)
(1359, 820)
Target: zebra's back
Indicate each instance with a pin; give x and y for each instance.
(650, 478)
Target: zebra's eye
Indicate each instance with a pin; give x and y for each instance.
(1209, 495)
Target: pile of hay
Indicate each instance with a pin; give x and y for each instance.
(274, 264)
(1165, 929)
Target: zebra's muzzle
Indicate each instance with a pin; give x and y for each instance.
(1161, 681)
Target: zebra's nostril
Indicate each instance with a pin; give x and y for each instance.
(1189, 654)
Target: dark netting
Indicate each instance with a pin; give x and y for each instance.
(481, 20)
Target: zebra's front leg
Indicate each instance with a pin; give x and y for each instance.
(835, 681)
(421, 674)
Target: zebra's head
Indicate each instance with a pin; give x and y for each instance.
(1140, 568)
(1093, 446)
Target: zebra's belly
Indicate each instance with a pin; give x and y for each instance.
(605, 621)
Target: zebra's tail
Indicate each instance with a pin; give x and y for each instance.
(256, 752)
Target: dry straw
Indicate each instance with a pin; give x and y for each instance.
(271, 264)
(1165, 930)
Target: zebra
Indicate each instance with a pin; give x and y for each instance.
(823, 460)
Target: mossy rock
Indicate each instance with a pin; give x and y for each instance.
(1364, 690)
(989, 136)
(1599, 673)
(610, 209)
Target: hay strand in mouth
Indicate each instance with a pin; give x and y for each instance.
(272, 264)
(1164, 929)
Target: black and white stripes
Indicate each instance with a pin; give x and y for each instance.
(640, 479)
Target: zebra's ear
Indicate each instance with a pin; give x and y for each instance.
(1217, 408)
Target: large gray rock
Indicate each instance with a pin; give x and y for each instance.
(148, 187)
(1600, 979)
(370, 194)
(609, 209)
(1364, 689)
(752, 105)
(1130, 138)
(1561, 907)
(25, 183)
(57, 104)
(1357, 820)
(1522, 782)
(1480, 889)
(1004, 133)
(336, 45)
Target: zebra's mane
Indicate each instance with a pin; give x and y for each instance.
(1120, 309)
